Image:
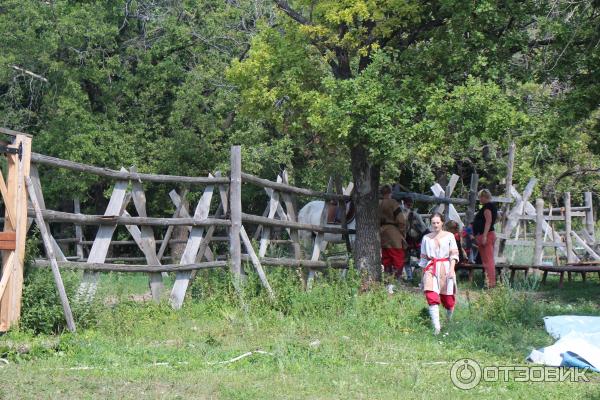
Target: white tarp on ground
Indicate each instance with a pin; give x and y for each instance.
(578, 343)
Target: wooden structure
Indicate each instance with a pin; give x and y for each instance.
(16, 148)
(217, 217)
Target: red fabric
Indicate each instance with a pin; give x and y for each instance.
(447, 300)
(487, 257)
(393, 261)
(433, 265)
(393, 258)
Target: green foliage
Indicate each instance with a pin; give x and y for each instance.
(42, 311)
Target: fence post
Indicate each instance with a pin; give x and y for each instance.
(568, 238)
(539, 233)
(235, 205)
(472, 198)
(589, 217)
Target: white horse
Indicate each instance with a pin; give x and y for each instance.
(311, 214)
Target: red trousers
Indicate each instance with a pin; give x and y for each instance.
(447, 300)
(487, 257)
(393, 260)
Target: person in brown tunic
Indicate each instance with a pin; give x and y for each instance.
(393, 235)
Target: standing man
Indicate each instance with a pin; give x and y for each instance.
(393, 235)
(483, 229)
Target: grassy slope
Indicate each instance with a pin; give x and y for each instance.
(327, 344)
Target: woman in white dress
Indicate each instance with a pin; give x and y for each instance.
(439, 255)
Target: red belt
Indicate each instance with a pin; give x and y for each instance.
(433, 264)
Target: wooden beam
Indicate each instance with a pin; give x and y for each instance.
(539, 232)
(590, 225)
(123, 174)
(287, 188)
(104, 267)
(84, 219)
(18, 169)
(89, 283)
(50, 253)
(182, 279)
(256, 262)
(568, 238)
(235, 204)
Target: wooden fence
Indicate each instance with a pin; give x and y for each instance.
(217, 218)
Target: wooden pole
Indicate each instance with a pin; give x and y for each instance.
(18, 169)
(78, 230)
(235, 205)
(472, 198)
(508, 184)
(590, 225)
(447, 207)
(568, 237)
(539, 233)
(50, 253)
(256, 262)
(123, 174)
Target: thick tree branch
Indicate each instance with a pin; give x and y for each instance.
(295, 15)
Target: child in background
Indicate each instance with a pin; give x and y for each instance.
(452, 227)
(469, 243)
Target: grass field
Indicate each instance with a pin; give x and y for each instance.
(330, 343)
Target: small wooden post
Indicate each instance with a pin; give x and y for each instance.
(568, 237)
(235, 205)
(589, 217)
(78, 230)
(472, 198)
(50, 252)
(539, 233)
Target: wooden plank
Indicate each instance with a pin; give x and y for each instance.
(530, 209)
(59, 216)
(105, 267)
(587, 248)
(429, 199)
(147, 243)
(89, 284)
(590, 225)
(18, 169)
(123, 174)
(9, 211)
(235, 204)
(78, 230)
(472, 198)
(568, 238)
(439, 191)
(8, 245)
(7, 273)
(539, 232)
(8, 236)
(266, 230)
(292, 218)
(50, 254)
(37, 185)
(191, 249)
(256, 262)
(518, 209)
(320, 242)
(286, 188)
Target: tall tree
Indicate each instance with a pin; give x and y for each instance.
(360, 74)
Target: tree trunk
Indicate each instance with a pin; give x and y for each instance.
(367, 245)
